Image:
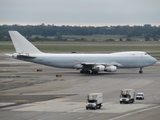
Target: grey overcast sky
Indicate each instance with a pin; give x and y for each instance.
(80, 12)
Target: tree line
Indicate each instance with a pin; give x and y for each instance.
(147, 31)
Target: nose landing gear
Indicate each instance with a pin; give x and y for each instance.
(140, 71)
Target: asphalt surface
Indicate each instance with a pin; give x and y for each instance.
(26, 94)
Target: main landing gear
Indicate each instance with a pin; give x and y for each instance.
(140, 71)
(85, 71)
(89, 71)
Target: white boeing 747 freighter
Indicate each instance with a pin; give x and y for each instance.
(87, 63)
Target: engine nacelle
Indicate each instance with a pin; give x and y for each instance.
(99, 68)
(111, 69)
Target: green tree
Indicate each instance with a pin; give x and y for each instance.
(147, 38)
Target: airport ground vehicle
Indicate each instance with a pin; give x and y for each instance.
(140, 96)
(127, 96)
(94, 101)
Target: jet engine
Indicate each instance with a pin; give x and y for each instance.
(99, 68)
(103, 68)
(111, 69)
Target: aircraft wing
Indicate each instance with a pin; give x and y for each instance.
(95, 67)
(105, 64)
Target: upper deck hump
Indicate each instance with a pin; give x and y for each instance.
(135, 53)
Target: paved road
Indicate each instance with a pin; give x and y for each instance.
(43, 96)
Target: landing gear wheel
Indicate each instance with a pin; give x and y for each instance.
(100, 106)
(140, 72)
(85, 71)
(94, 72)
(82, 71)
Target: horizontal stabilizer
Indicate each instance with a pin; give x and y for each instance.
(23, 56)
(8, 54)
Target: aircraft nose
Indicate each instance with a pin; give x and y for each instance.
(154, 60)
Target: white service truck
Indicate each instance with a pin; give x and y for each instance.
(127, 96)
(94, 101)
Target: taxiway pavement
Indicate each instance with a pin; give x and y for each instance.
(26, 94)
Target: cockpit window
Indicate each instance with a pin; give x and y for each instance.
(145, 53)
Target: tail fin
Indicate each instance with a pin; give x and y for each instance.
(21, 44)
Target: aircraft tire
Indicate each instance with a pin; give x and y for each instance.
(94, 72)
(140, 72)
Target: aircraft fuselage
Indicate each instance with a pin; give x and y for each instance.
(121, 59)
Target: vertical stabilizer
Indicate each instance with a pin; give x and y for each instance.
(21, 44)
